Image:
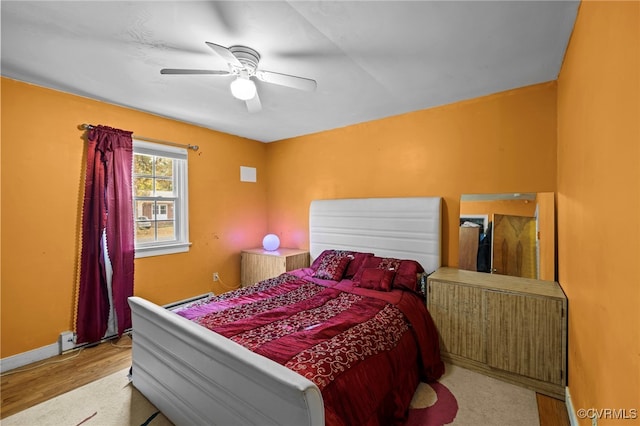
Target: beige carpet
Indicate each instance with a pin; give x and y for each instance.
(111, 401)
(461, 397)
(465, 398)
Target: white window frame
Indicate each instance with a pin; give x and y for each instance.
(181, 206)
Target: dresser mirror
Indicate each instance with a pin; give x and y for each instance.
(508, 234)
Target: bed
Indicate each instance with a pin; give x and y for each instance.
(328, 344)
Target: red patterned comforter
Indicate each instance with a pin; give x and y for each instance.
(365, 353)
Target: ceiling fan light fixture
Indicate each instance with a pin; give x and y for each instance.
(243, 89)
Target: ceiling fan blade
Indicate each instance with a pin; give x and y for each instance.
(181, 71)
(225, 54)
(300, 83)
(254, 104)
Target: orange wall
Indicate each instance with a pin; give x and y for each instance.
(504, 142)
(511, 207)
(42, 173)
(599, 205)
(512, 135)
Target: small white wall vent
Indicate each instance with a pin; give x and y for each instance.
(247, 174)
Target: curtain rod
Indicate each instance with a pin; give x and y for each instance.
(142, 138)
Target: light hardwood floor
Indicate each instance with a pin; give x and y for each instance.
(47, 379)
(52, 377)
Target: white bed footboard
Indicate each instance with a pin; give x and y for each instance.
(198, 377)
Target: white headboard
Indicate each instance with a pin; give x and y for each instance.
(403, 228)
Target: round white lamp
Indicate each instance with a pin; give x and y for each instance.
(271, 242)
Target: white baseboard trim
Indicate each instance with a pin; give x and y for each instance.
(25, 358)
(572, 413)
(35, 355)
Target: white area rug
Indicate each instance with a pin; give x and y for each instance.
(105, 402)
(461, 397)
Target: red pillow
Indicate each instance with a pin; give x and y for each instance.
(321, 258)
(356, 263)
(407, 275)
(379, 263)
(406, 271)
(376, 279)
(317, 260)
(332, 265)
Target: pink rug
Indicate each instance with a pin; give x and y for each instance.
(442, 410)
(462, 397)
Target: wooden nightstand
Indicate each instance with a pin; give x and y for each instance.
(258, 264)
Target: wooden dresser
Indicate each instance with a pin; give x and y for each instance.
(511, 328)
(258, 264)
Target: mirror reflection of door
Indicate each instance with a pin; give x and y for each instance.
(514, 246)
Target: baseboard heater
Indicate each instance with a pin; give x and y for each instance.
(76, 346)
(170, 306)
(180, 303)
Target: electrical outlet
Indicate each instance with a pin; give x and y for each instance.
(67, 341)
(216, 277)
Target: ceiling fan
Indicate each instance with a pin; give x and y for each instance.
(243, 64)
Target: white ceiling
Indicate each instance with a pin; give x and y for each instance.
(370, 59)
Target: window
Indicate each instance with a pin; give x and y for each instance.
(160, 199)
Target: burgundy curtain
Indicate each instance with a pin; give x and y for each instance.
(107, 208)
